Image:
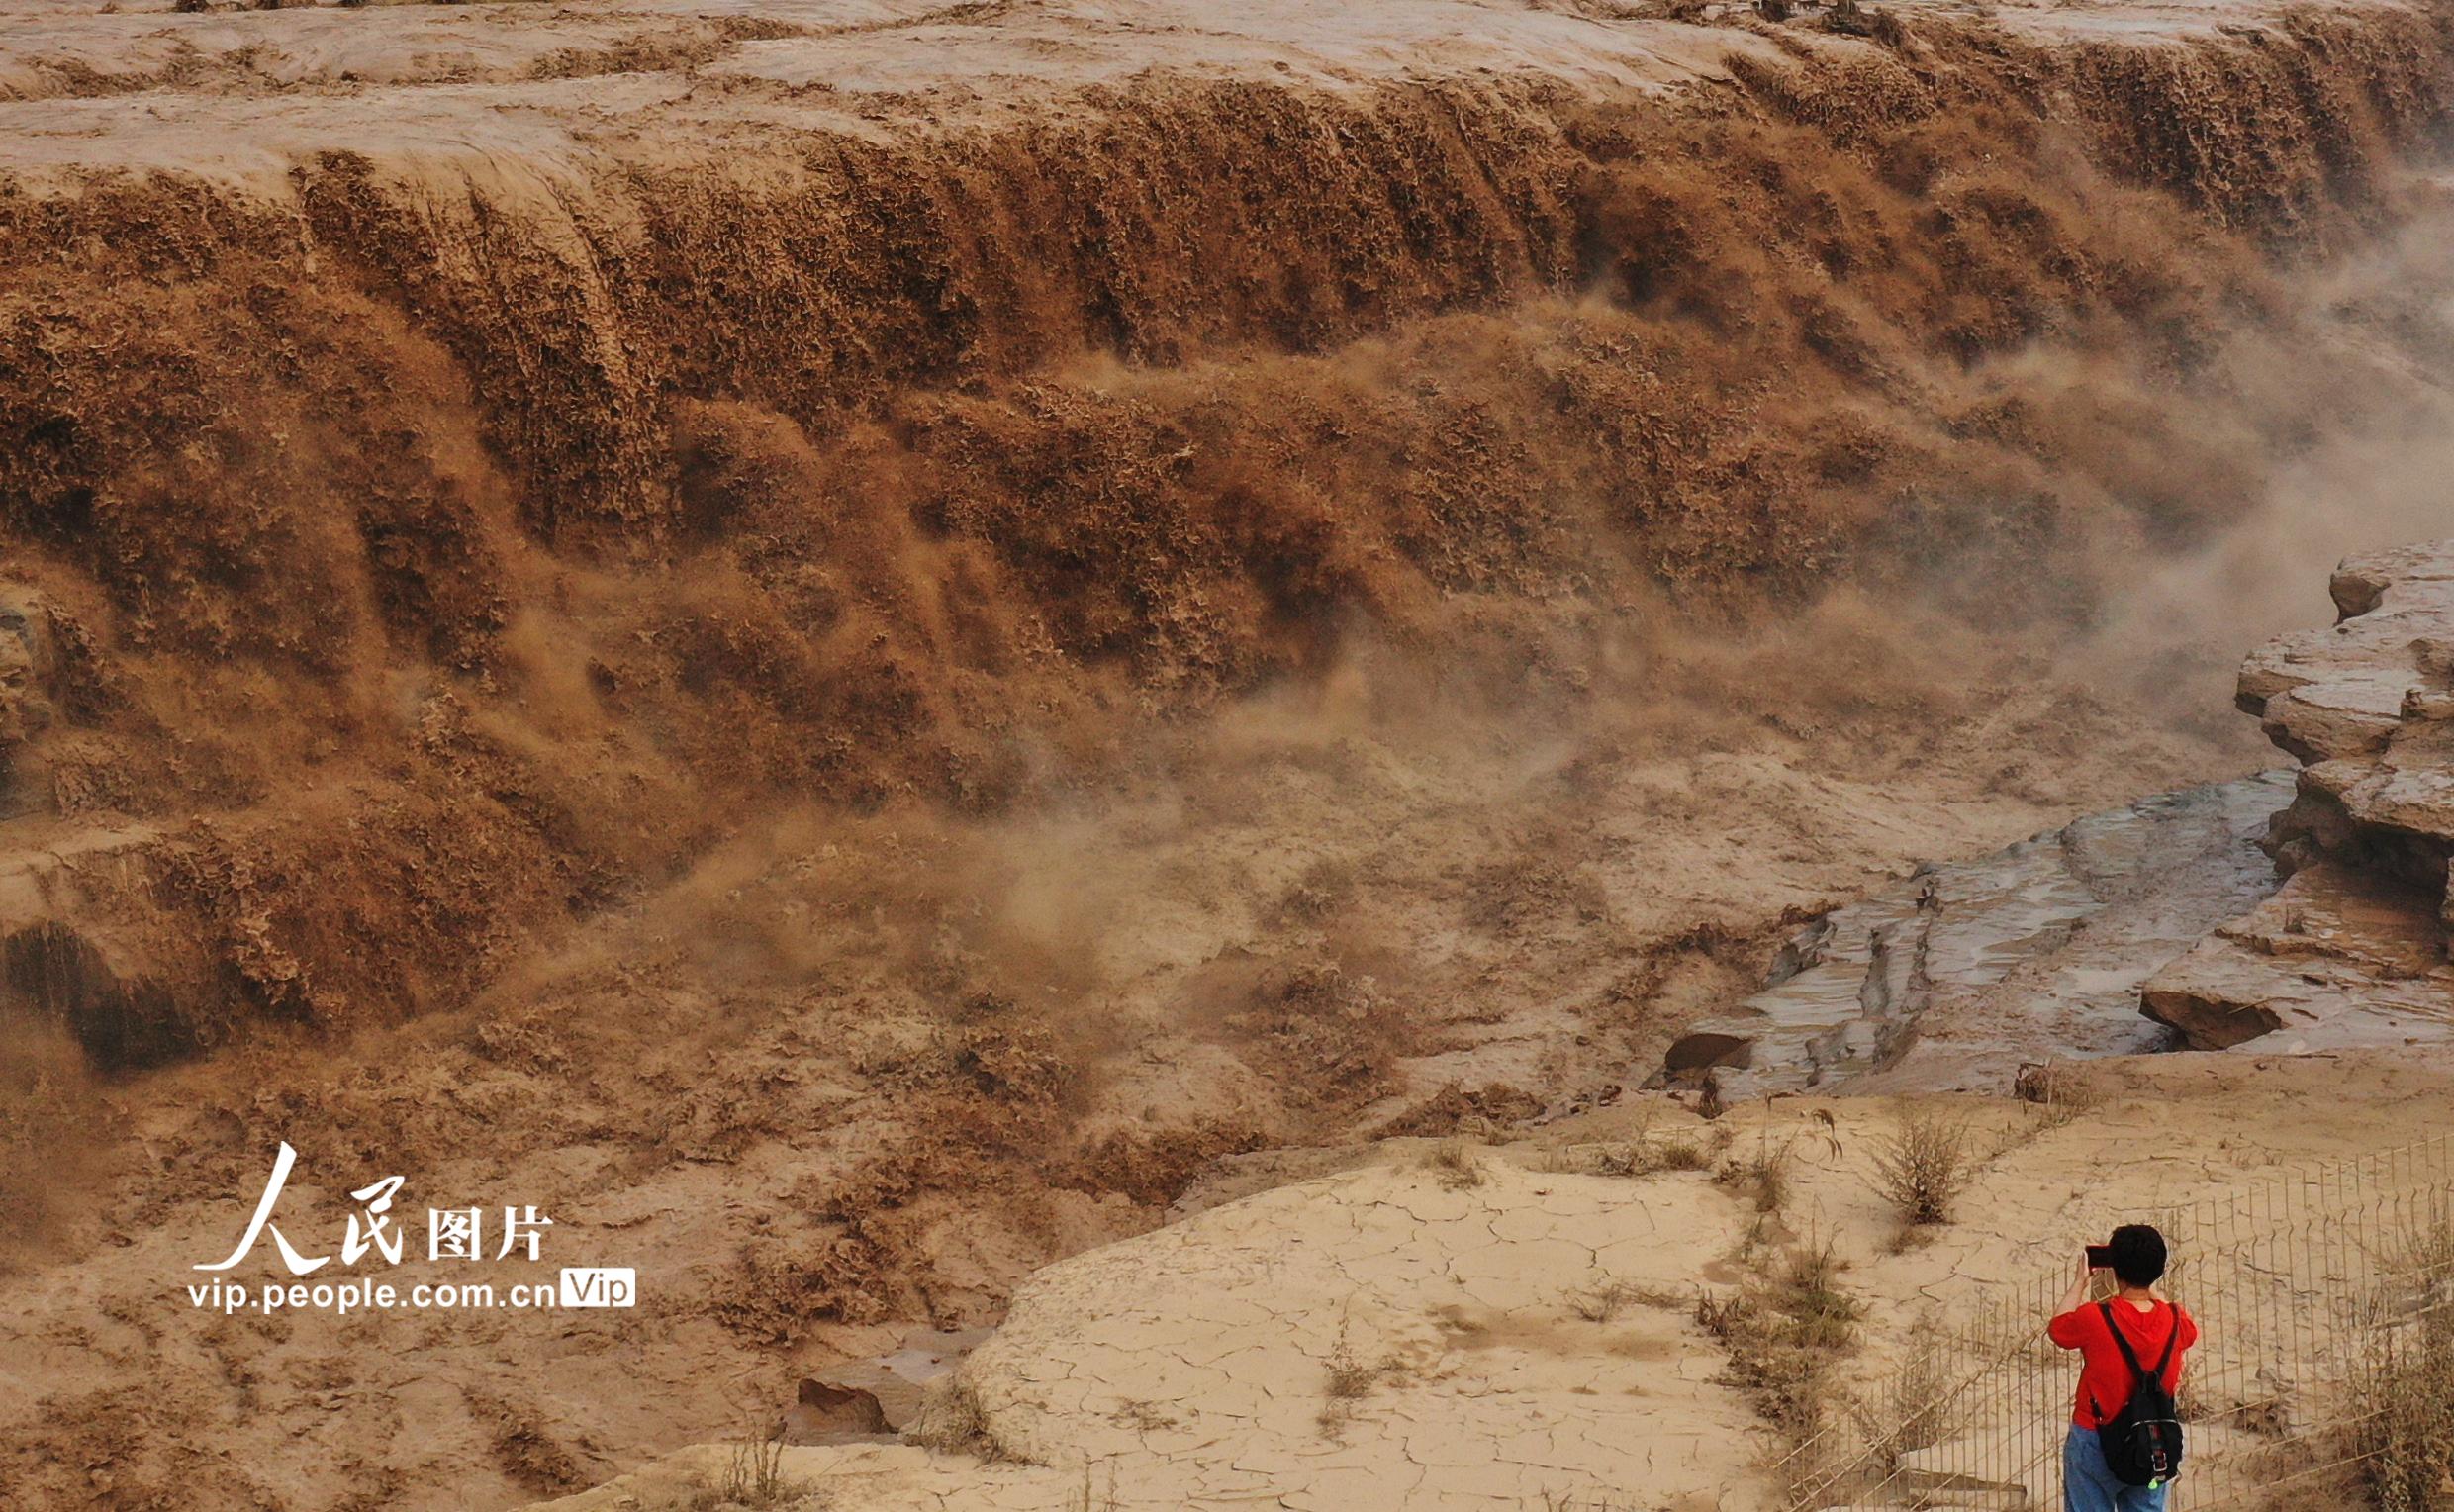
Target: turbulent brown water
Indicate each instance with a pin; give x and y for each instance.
(794, 686)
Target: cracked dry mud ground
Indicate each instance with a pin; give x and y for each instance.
(1191, 1367)
(1194, 1366)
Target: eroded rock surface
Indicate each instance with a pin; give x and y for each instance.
(2337, 958)
(2369, 707)
(1959, 974)
(2353, 951)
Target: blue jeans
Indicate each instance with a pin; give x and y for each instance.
(2088, 1485)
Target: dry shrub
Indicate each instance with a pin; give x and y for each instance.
(2408, 1401)
(1922, 1167)
(2056, 1092)
(2403, 1399)
(753, 1480)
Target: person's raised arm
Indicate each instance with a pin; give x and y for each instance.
(2062, 1329)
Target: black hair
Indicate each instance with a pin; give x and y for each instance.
(2138, 1255)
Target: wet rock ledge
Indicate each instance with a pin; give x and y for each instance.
(2353, 951)
(1958, 977)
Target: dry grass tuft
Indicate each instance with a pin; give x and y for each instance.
(1722, 1316)
(955, 1421)
(1602, 1303)
(1088, 1498)
(1915, 1408)
(754, 1482)
(1451, 1162)
(1348, 1381)
(1922, 1168)
(1762, 1178)
(2403, 1402)
(2407, 1412)
(1806, 1293)
(1642, 1155)
(1785, 1331)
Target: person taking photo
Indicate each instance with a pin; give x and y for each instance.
(2125, 1441)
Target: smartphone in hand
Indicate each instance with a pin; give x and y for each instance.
(2100, 1257)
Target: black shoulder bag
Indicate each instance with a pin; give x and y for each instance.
(2142, 1441)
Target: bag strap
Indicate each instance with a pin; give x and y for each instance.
(2172, 1340)
(2122, 1342)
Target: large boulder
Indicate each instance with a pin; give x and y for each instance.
(2339, 959)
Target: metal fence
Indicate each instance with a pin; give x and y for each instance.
(2321, 1296)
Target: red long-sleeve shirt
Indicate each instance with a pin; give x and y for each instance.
(2105, 1382)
